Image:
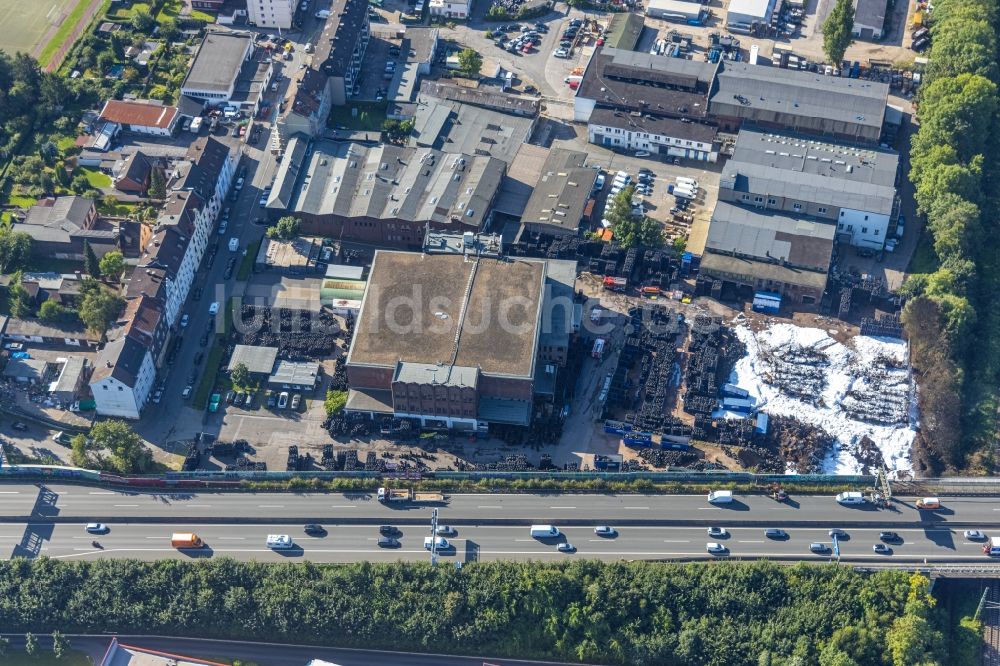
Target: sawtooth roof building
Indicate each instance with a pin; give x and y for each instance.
(468, 353)
(384, 193)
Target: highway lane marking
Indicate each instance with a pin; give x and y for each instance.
(101, 492)
(562, 507)
(10, 492)
(761, 541)
(126, 505)
(677, 541)
(709, 508)
(159, 538)
(197, 506)
(490, 506)
(231, 538)
(344, 506)
(270, 506)
(637, 508)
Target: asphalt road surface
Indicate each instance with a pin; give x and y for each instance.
(49, 520)
(29, 503)
(350, 543)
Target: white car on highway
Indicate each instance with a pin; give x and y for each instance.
(715, 548)
(279, 541)
(97, 528)
(718, 532)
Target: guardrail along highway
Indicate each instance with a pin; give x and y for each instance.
(48, 520)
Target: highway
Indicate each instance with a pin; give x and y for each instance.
(29, 502)
(350, 543)
(49, 520)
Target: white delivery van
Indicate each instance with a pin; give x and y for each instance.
(442, 543)
(234, 244)
(279, 541)
(544, 531)
(851, 498)
(690, 182)
(993, 548)
(720, 496)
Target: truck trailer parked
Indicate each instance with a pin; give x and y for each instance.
(388, 495)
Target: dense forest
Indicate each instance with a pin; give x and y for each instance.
(723, 614)
(953, 321)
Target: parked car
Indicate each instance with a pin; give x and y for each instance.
(186, 393)
(283, 400)
(213, 308)
(296, 400)
(184, 321)
(561, 53)
(20, 426)
(642, 153)
(271, 400)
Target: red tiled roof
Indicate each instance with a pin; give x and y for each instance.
(138, 113)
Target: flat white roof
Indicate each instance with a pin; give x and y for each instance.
(755, 8)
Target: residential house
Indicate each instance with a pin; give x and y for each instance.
(133, 174)
(271, 13)
(59, 227)
(450, 9)
(869, 19)
(140, 116)
(341, 47)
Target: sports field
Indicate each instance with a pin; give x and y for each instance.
(25, 23)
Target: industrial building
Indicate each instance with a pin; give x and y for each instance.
(745, 15)
(216, 66)
(643, 83)
(465, 350)
(455, 127)
(770, 251)
(678, 11)
(869, 19)
(559, 197)
(385, 193)
(790, 100)
(852, 187)
(660, 136)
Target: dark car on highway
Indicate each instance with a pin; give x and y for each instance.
(889, 537)
(774, 533)
(314, 529)
(388, 542)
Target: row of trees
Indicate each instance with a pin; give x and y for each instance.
(723, 614)
(113, 446)
(631, 230)
(953, 317)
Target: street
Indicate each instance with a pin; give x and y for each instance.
(50, 521)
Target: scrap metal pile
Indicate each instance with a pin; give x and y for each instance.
(796, 370)
(649, 267)
(296, 333)
(712, 353)
(801, 445)
(882, 326)
(668, 458)
(880, 394)
(348, 426)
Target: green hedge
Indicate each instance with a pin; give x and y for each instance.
(718, 614)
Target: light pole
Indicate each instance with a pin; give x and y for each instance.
(434, 526)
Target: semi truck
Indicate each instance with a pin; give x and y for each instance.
(186, 540)
(388, 495)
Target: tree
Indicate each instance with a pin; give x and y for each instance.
(240, 376)
(286, 229)
(90, 263)
(112, 265)
(128, 452)
(79, 451)
(397, 131)
(157, 184)
(52, 312)
(335, 402)
(169, 30)
(679, 245)
(15, 250)
(99, 308)
(30, 644)
(59, 644)
(18, 299)
(142, 20)
(837, 31)
(470, 62)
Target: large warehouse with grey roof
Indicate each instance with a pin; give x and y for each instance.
(386, 194)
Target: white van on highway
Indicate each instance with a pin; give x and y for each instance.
(279, 541)
(720, 496)
(544, 531)
(851, 498)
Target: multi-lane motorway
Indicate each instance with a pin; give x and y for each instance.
(49, 520)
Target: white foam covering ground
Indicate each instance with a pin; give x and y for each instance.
(843, 374)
